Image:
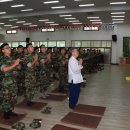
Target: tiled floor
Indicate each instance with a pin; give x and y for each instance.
(106, 88)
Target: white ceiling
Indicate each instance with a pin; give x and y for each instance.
(102, 9)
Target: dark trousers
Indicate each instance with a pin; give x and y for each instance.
(74, 90)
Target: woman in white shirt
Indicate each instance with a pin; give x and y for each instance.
(75, 78)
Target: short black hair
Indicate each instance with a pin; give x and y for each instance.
(20, 46)
(42, 46)
(3, 45)
(28, 45)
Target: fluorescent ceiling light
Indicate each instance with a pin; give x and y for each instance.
(33, 25)
(2, 23)
(86, 5)
(76, 23)
(43, 20)
(117, 3)
(14, 26)
(20, 22)
(118, 12)
(49, 22)
(65, 15)
(51, 2)
(13, 19)
(93, 17)
(118, 19)
(69, 18)
(54, 24)
(7, 25)
(5, 0)
(94, 20)
(2, 12)
(24, 10)
(118, 16)
(27, 23)
(78, 0)
(118, 22)
(58, 7)
(21, 5)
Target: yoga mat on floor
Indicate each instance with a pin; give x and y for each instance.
(87, 121)
(57, 91)
(55, 97)
(61, 127)
(3, 128)
(89, 109)
(12, 120)
(36, 106)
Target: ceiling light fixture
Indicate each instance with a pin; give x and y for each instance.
(2, 12)
(86, 5)
(24, 10)
(58, 7)
(13, 19)
(43, 20)
(117, 3)
(20, 5)
(65, 15)
(51, 2)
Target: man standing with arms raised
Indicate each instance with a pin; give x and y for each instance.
(75, 78)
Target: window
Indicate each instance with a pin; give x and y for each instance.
(35, 44)
(60, 43)
(48, 30)
(43, 43)
(76, 43)
(51, 43)
(11, 31)
(91, 28)
(109, 43)
(1, 43)
(15, 44)
(23, 44)
(85, 43)
(104, 44)
(97, 43)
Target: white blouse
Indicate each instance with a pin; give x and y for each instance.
(74, 71)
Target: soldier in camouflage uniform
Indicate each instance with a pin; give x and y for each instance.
(20, 77)
(29, 61)
(9, 86)
(55, 62)
(44, 83)
(62, 69)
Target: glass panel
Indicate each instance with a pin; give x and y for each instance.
(60, 43)
(9, 44)
(92, 44)
(15, 44)
(76, 44)
(43, 43)
(104, 44)
(97, 43)
(52, 44)
(1, 43)
(23, 44)
(109, 43)
(85, 43)
(35, 44)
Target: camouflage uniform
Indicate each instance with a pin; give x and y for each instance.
(20, 77)
(30, 79)
(62, 72)
(44, 83)
(9, 85)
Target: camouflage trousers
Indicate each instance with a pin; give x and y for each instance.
(9, 94)
(62, 78)
(30, 86)
(44, 82)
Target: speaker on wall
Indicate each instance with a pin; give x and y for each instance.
(114, 38)
(27, 40)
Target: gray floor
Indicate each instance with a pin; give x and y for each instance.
(106, 88)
